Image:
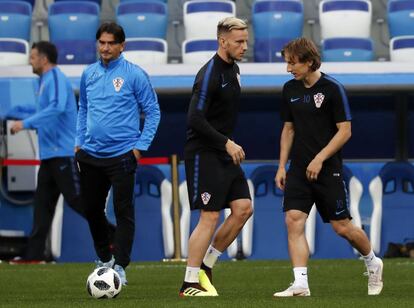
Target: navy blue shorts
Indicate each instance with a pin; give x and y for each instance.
(214, 182)
(328, 193)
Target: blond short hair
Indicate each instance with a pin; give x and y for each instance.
(230, 23)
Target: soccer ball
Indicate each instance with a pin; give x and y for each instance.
(104, 282)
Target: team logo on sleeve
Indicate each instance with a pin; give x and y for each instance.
(205, 197)
(318, 98)
(118, 82)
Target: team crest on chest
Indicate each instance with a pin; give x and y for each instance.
(318, 98)
(118, 82)
(205, 197)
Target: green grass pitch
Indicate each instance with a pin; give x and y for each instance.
(334, 283)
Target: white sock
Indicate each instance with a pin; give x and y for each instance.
(211, 256)
(370, 259)
(301, 277)
(191, 274)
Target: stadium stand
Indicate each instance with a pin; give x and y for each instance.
(198, 51)
(402, 48)
(201, 17)
(345, 18)
(400, 17)
(146, 51)
(72, 28)
(392, 193)
(347, 49)
(143, 18)
(15, 19)
(13, 52)
(275, 22)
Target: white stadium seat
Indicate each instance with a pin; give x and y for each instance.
(13, 51)
(402, 48)
(146, 51)
(198, 51)
(202, 16)
(345, 18)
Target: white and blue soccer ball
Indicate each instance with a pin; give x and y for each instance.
(104, 282)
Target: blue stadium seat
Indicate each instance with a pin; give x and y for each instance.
(324, 236)
(73, 20)
(13, 52)
(198, 51)
(347, 49)
(31, 2)
(202, 16)
(99, 2)
(277, 19)
(392, 193)
(122, 1)
(72, 27)
(71, 239)
(269, 50)
(269, 229)
(146, 51)
(275, 22)
(15, 19)
(76, 51)
(153, 196)
(143, 18)
(400, 17)
(345, 18)
(402, 48)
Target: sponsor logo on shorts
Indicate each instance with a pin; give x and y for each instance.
(336, 174)
(205, 197)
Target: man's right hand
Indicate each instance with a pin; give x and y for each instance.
(280, 178)
(235, 151)
(77, 148)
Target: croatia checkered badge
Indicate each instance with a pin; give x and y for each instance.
(205, 197)
(318, 98)
(118, 82)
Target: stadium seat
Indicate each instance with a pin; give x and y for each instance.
(345, 18)
(321, 235)
(202, 16)
(73, 20)
(15, 19)
(347, 49)
(31, 2)
(269, 50)
(277, 19)
(269, 229)
(76, 51)
(392, 193)
(146, 51)
(143, 19)
(13, 52)
(198, 51)
(400, 17)
(99, 2)
(72, 27)
(402, 49)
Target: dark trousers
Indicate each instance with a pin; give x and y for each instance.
(56, 176)
(97, 177)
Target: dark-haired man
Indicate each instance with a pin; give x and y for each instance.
(109, 142)
(55, 122)
(317, 124)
